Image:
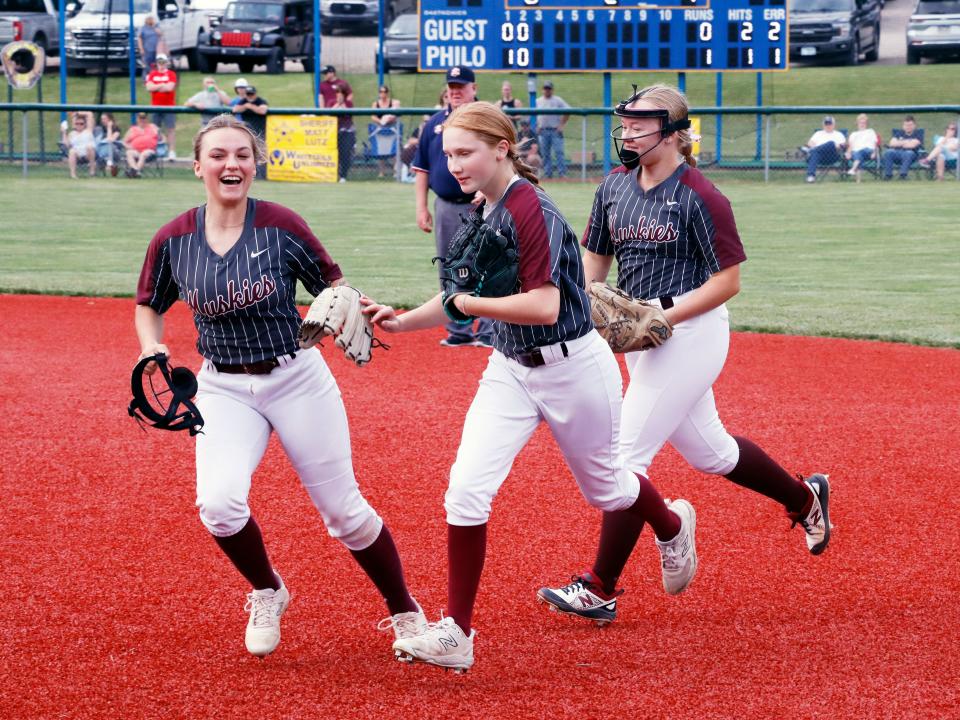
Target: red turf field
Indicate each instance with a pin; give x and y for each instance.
(119, 605)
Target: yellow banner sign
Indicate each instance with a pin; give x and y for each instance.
(695, 132)
(301, 148)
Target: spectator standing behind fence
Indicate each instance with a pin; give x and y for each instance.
(861, 145)
(162, 86)
(385, 122)
(141, 144)
(148, 42)
(550, 132)
(945, 149)
(252, 109)
(346, 135)
(507, 100)
(80, 143)
(108, 136)
(211, 98)
(824, 147)
(904, 148)
(240, 91)
(452, 202)
(331, 83)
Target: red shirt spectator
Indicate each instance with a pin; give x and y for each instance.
(142, 136)
(161, 76)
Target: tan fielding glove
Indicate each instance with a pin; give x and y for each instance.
(337, 312)
(626, 324)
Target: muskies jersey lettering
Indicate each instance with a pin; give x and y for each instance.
(244, 301)
(668, 240)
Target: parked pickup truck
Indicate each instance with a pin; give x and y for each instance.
(260, 32)
(33, 20)
(834, 30)
(98, 35)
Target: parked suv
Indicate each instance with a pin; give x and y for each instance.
(360, 14)
(260, 32)
(32, 20)
(834, 30)
(933, 30)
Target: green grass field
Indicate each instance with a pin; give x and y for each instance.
(839, 259)
(839, 86)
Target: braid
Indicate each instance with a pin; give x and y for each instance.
(685, 146)
(522, 169)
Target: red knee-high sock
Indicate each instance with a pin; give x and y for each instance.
(248, 553)
(620, 530)
(757, 471)
(466, 550)
(381, 562)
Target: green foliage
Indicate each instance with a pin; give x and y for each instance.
(871, 260)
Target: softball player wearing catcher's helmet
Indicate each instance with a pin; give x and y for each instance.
(545, 347)
(236, 262)
(676, 244)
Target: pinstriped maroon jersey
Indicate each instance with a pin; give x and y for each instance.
(668, 240)
(243, 301)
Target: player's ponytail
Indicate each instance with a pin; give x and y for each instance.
(493, 126)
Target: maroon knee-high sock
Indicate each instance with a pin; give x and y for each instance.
(249, 555)
(757, 471)
(381, 562)
(620, 530)
(466, 550)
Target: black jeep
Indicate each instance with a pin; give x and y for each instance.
(260, 32)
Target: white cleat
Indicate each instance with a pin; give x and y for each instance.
(816, 523)
(442, 644)
(266, 607)
(404, 625)
(678, 557)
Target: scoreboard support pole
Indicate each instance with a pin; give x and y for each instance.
(759, 117)
(682, 82)
(316, 53)
(532, 97)
(607, 103)
(132, 61)
(718, 144)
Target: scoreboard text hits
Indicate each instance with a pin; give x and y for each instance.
(604, 35)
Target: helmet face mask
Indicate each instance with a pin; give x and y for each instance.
(631, 158)
(168, 404)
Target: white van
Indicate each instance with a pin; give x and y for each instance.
(97, 36)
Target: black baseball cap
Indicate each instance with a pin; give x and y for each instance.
(460, 75)
(328, 69)
(548, 85)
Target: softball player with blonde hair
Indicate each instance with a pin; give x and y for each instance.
(236, 262)
(548, 364)
(676, 245)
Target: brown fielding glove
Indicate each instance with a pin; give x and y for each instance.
(626, 324)
(337, 312)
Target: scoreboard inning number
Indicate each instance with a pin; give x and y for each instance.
(604, 35)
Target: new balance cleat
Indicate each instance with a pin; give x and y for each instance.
(266, 607)
(816, 521)
(678, 557)
(404, 625)
(442, 644)
(584, 598)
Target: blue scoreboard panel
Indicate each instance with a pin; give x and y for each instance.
(604, 35)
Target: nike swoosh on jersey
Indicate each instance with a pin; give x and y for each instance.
(259, 253)
(671, 203)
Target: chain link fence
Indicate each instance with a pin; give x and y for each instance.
(759, 144)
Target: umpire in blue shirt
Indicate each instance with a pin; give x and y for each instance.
(430, 165)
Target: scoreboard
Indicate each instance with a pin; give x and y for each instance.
(604, 35)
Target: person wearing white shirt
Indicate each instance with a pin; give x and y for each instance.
(861, 145)
(825, 146)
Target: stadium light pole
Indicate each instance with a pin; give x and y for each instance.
(380, 44)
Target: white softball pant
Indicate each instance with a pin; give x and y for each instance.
(301, 401)
(578, 396)
(670, 398)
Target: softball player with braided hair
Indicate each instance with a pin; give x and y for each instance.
(236, 262)
(676, 245)
(544, 348)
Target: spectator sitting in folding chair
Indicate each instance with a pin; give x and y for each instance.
(384, 131)
(861, 146)
(945, 150)
(824, 147)
(79, 143)
(141, 143)
(109, 146)
(904, 148)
